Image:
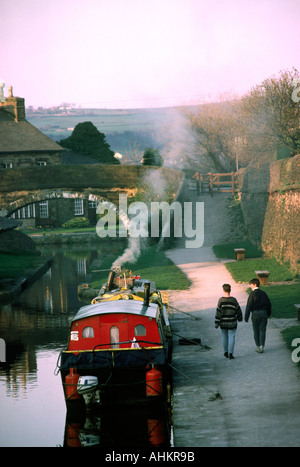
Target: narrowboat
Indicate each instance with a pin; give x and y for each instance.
(119, 347)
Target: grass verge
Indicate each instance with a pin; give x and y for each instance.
(226, 251)
(243, 271)
(152, 265)
(283, 298)
(60, 230)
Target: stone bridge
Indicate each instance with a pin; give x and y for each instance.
(23, 186)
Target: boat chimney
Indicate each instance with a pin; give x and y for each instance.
(110, 281)
(146, 293)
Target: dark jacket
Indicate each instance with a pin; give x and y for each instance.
(258, 300)
(228, 313)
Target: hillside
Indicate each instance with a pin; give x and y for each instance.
(125, 130)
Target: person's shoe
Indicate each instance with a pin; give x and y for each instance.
(226, 354)
(231, 357)
(257, 349)
(261, 349)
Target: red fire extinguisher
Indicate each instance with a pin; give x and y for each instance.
(153, 382)
(71, 381)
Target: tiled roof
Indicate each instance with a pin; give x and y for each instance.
(22, 136)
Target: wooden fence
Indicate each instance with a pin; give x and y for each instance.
(223, 182)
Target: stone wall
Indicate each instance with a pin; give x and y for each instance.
(22, 186)
(270, 200)
(29, 159)
(253, 183)
(16, 242)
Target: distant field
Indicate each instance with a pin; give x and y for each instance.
(109, 122)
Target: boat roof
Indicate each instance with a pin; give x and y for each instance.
(118, 306)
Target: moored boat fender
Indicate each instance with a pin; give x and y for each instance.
(71, 381)
(154, 382)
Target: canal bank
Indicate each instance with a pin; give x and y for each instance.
(11, 288)
(251, 401)
(65, 238)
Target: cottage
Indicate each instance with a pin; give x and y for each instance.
(21, 144)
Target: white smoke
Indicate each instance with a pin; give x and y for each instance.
(138, 226)
(179, 141)
(130, 255)
(138, 233)
(133, 250)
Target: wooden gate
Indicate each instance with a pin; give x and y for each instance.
(224, 182)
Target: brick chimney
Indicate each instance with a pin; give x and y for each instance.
(14, 105)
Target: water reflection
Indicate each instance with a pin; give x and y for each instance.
(35, 328)
(122, 427)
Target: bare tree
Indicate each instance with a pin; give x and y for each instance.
(215, 127)
(271, 117)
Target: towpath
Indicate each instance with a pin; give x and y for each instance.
(253, 400)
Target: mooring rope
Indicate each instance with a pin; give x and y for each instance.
(216, 395)
(185, 313)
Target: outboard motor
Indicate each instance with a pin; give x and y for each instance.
(146, 293)
(88, 388)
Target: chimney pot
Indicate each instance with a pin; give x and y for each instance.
(10, 91)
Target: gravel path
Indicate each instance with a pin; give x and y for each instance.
(253, 400)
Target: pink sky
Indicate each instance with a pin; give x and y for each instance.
(143, 53)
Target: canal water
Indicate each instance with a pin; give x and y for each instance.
(35, 328)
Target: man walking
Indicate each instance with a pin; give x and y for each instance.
(227, 314)
(259, 304)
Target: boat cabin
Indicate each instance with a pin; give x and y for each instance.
(118, 324)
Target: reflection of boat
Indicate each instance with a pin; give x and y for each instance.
(123, 427)
(119, 346)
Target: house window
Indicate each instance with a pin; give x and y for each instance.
(40, 163)
(93, 204)
(78, 207)
(27, 212)
(88, 332)
(44, 212)
(81, 267)
(7, 165)
(114, 337)
(139, 330)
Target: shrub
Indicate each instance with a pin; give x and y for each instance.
(77, 222)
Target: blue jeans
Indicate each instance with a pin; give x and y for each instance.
(228, 339)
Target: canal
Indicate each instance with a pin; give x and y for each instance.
(35, 328)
